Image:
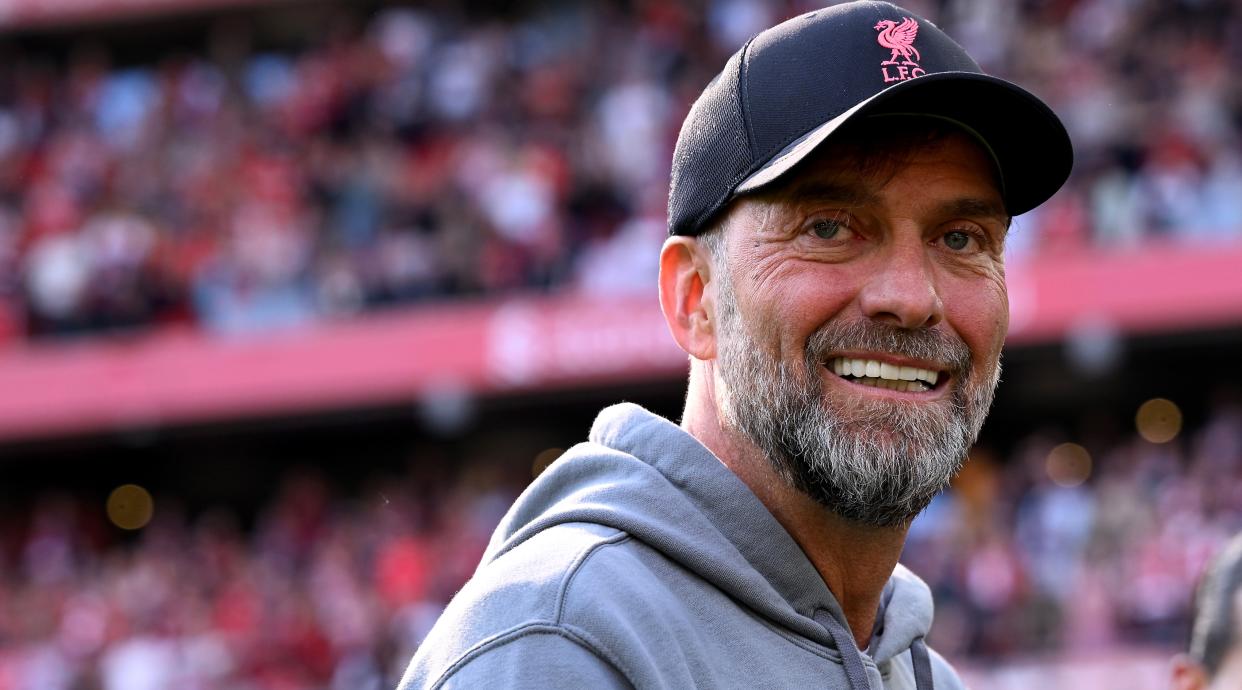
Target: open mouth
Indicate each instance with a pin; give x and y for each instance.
(870, 372)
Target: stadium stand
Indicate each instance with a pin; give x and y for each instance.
(422, 156)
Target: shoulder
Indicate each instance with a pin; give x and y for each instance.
(944, 676)
(513, 615)
(899, 674)
(533, 655)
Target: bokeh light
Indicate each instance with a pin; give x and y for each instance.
(543, 459)
(1068, 465)
(1158, 420)
(130, 506)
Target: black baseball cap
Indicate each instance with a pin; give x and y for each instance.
(792, 86)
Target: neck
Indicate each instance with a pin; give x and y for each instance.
(854, 560)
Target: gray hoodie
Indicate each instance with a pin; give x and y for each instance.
(639, 560)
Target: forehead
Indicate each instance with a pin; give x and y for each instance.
(863, 163)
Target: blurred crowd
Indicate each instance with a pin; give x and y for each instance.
(334, 589)
(410, 155)
(1080, 547)
(324, 590)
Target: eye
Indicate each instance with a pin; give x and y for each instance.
(962, 240)
(826, 228)
(956, 240)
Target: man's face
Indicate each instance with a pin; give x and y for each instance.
(860, 318)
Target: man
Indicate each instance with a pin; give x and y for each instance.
(839, 201)
(1215, 658)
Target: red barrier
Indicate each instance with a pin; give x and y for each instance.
(36, 13)
(491, 348)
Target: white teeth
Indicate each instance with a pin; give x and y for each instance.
(873, 369)
(903, 386)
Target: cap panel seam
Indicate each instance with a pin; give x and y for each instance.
(743, 102)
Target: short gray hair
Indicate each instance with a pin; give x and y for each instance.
(713, 240)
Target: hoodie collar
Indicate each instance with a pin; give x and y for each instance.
(647, 476)
(721, 497)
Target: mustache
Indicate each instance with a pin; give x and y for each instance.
(927, 344)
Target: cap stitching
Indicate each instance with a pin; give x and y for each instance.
(743, 103)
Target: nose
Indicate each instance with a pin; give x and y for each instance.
(902, 292)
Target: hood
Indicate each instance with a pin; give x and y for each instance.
(642, 474)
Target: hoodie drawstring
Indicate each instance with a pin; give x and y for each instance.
(851, 658)
(922, 664)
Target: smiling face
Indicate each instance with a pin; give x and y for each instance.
(861, 309)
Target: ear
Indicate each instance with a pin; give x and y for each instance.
(685, 271)
(1187, 674)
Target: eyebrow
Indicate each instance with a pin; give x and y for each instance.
(850, 195)
(977, 208)
(854, 195)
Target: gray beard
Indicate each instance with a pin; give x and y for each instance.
(873, 462)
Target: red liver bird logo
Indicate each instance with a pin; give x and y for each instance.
(899, 38)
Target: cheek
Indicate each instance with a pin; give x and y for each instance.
(980, 315)
(794, 299)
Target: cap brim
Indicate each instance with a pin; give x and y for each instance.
(1027, 140)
